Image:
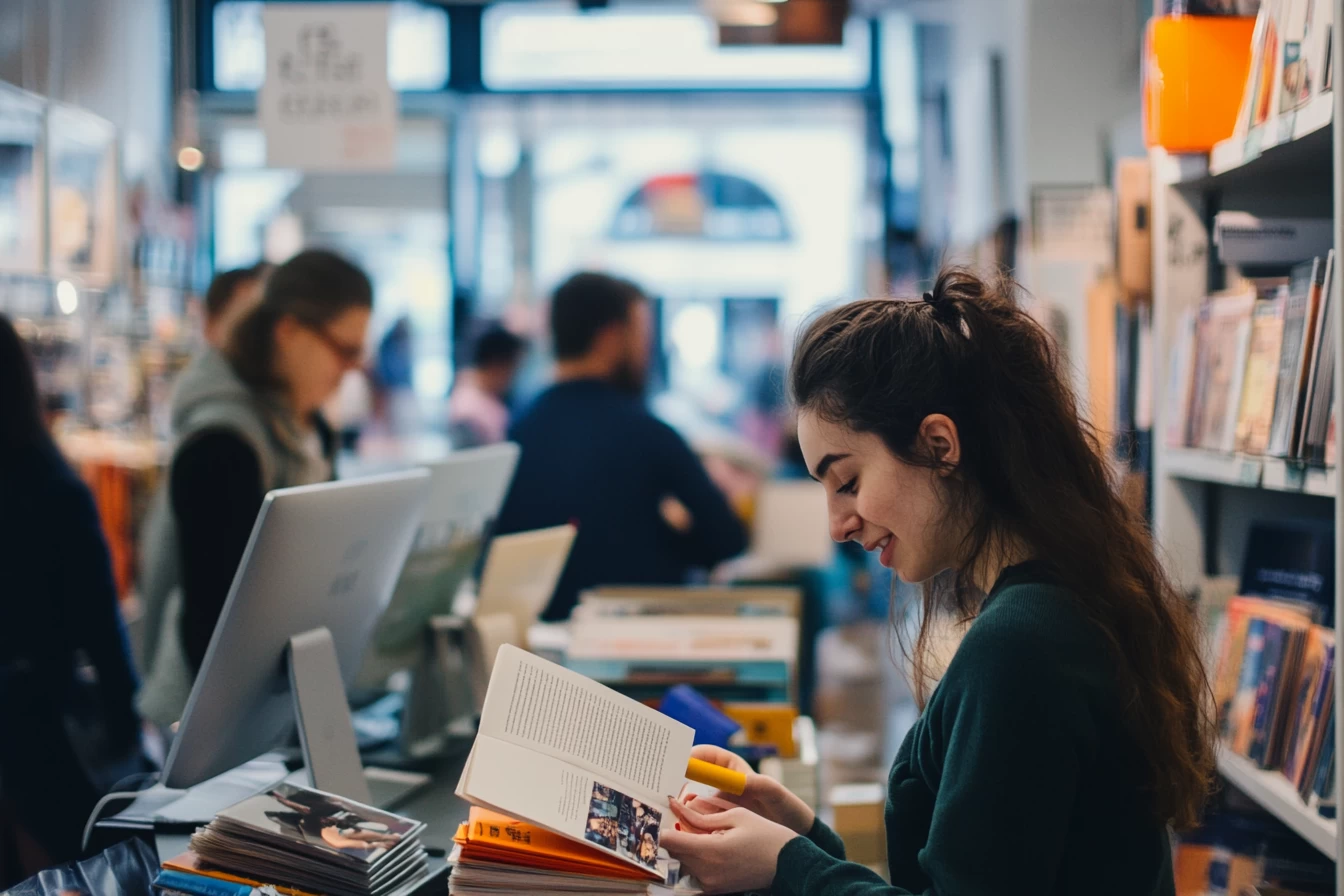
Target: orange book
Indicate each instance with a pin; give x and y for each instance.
(491, 837)
(191, 863)
(1232, 648)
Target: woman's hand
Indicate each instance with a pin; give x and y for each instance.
(763, 795)
(727, 852)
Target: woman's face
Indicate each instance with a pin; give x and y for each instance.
(881, 502)
(311, 360)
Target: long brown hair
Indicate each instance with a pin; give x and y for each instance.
(1032, 470)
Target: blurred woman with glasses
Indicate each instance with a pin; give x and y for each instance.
(245, 420)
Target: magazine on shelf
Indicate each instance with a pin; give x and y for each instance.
(1314, 689)
(573, 757)
(1180, 380)
(1321, 382)
(1299, 328)
(1256, 414)
(1298, 78)
(1224, 340)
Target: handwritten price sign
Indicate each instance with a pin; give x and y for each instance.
(326, 104)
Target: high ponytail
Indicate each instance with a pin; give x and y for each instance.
(1030, 469)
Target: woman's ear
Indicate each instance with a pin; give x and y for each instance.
(939, 437)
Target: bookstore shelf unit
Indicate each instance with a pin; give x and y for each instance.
(1204, 502)
(1272, 790)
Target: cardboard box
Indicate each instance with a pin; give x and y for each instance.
(859, 820)
(1134, 196)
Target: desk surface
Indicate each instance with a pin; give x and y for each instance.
(437, 806)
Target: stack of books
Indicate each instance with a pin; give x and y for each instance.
(569, 781)
(301, 842)
(498, 854)
(1253, 369)
(1274, 689)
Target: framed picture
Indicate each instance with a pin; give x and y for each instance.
(81, 196)
(22, 208)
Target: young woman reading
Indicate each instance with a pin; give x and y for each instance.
(1072, 726)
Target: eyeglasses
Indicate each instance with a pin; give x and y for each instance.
(349, 355)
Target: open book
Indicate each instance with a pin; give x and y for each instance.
(576, 758)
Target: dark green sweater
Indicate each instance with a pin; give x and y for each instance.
(1018, 778)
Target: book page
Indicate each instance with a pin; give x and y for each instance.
(559, 713)
(591, 809)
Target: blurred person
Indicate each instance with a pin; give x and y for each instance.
(477, 410)
(229, 299)
(245, 421)
(60, 600)
(593, 455)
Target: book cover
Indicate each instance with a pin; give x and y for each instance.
(190, 863)
(1256, 413)
(1295, 76)
(1226, 337)
(1283, 690)
(1299, 323)
(1180, 380)
(324, 824)
(1331, 442)
(1241, 720)
(1304, 703)
(566, 754)
(1267, 78)
(1320, 25)
(1292, 560)
(1320, 377)
(1308, 746)
(202, 885)
(1231, 648)
(491, 836)
(1250, 94)
(1272, 659)
(1322, 787)
(1328, 66)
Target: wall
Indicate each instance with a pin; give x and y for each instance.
(1082, 83)
(111, 57)
(980, 194)
(1070, 93)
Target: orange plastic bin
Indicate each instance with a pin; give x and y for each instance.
(1194, 75)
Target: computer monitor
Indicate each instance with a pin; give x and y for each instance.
(316, 576)
(465, 492)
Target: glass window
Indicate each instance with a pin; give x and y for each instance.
(553, 46)
(417, 46)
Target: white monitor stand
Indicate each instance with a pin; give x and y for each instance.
(326, 734)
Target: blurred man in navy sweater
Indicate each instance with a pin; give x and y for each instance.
(593, 455)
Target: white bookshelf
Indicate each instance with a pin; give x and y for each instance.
(1204, 502)
(1273, 791)
(1245, 471)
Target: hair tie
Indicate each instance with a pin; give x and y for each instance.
(944, 310)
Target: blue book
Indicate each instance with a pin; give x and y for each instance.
(200, 885)
(1323, 787)
(1241, 718)
(1267, 690)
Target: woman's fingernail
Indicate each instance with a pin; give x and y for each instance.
(678, 825)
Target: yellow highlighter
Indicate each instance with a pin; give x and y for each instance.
(712, 775)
